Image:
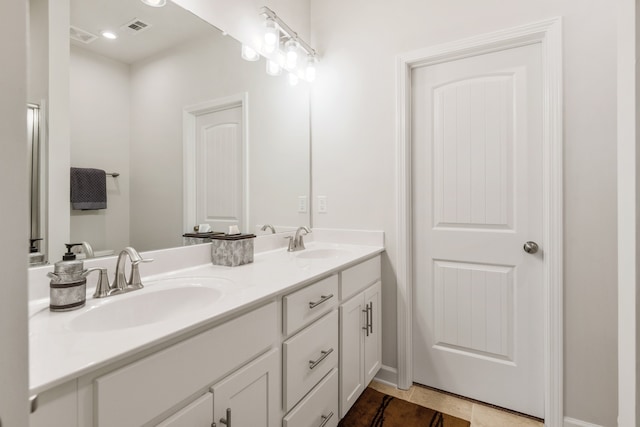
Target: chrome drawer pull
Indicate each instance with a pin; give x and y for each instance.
(322, 299)
(227, 421)
(325, 419)
(366, 327)
(370, 309)
(324, 354)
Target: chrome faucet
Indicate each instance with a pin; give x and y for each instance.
(120, 283)
(268, 226)
(296, 243)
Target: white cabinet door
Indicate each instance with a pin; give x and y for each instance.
(197, 414)
(250, 397)
(372, 337)
(360, 344)
(351, 352)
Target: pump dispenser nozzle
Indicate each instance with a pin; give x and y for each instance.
(32, 246)
(70, 255)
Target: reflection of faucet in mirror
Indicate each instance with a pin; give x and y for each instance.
(270, 227)
(88, 250)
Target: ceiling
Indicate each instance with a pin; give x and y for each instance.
(169, 26)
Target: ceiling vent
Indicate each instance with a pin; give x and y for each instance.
(136, 26)
(81, 35)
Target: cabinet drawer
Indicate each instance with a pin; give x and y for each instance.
(308, 357)
(359, 277)
(319, 405)
(308, 304)
(139, 392)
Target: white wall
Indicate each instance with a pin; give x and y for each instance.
(628, 204)
(100, 122)
(353, 127)
(38, 51)
(203, 70)
(14, 213)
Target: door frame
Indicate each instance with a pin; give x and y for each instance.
(548, 34)
(189, 115)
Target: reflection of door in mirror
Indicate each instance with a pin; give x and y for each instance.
(220, 169)
(34, 151)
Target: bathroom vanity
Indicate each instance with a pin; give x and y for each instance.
(291, 339)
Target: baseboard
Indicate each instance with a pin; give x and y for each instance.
(572, 422)
(387, 375)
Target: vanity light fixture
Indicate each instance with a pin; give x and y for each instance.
(249, 53)
(275, 30)
(271, 36)
(155, 3)
(291, 49)
(109, 35)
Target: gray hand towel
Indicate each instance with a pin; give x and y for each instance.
(88, 189)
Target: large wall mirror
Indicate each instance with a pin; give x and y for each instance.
(195, 133)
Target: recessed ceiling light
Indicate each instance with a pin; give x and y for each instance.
(155, 3)
(109, 35)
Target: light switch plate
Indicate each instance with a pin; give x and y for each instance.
(302, 204)
(322, 204)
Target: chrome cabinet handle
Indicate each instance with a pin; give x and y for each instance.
(366, 325)
(227, 421)
(370, 310)
(325, 419)
(323, 298)
(531, 247)
(323, 355)
(33, 404)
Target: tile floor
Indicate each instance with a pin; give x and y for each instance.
(479, 415)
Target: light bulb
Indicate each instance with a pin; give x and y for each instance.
(293, 79)
(271, 36)
(249, 53)
(273, 68)
(155, 3)
(291, 48)
(310, 71)
(109, 35)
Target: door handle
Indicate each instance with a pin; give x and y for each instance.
(366, 325)
(324, 354)
(323, 298)
(227, 421)
(325, 419)
(531, 247)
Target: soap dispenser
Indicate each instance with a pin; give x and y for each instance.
(68, 286)
(35, 257)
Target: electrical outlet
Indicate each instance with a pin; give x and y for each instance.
(322, 204)
(302, 204)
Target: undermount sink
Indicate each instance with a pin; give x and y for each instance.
(165, 300)
(321, 253)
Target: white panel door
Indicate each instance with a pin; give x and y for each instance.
(220, 169)
(477, 198)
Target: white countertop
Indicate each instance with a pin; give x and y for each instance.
(58, 354)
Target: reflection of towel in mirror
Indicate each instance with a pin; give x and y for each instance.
(88, 189)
